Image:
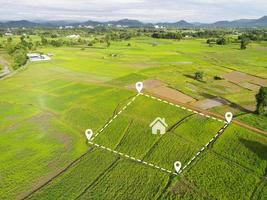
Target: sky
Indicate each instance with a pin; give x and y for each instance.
(143, 10)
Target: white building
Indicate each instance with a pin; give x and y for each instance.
(68, 27)
(73, 36)
(159, 27)
(158, 126)
(37, 57)
(8, 34)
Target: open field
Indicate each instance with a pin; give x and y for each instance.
(211, 170)
(46, 108)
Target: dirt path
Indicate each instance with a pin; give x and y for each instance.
(216, 115)
(5, 71)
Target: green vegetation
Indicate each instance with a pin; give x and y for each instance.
(261, 98)
(18, 51)
(199, 76)
(47, 106)
(244, 43)
(167, 35)
(259, 121)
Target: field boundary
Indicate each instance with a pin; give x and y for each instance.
(154, 98)
(133, 158)
(115, 116)
(212, 140)
(182, 107)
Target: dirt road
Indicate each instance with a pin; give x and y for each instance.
(5, 71)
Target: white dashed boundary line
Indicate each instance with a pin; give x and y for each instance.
(204, 147)
(111, 120)
(133, 158)
(150, 164)
(161, 168)
(182, 107)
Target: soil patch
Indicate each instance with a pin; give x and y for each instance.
(240, 77)
(160, 89)
(149, 84)
(210, 103)
(172, 94)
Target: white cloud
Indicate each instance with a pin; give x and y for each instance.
(147, 10)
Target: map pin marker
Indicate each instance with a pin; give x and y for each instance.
(139, 86)
(228, 117)
(177, 166)
(89, 134)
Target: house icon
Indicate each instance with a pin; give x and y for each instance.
(158, 126)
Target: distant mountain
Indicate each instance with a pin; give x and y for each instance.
(179, 24)
(87, 23)
(126, 22)
(122, 22)
(241, 23)
(260, 22)
(19, 24)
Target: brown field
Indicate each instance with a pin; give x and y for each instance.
(240, 77)
(172, 94)
(209, 103)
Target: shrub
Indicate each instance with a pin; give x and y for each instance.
(199, 76)
(218, 78)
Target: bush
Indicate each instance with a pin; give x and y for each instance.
(218, 78)
(90, 44)
(199, 76)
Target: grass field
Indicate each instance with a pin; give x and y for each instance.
(46, 108)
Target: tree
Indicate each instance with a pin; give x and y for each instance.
(243, 44)
(108, 43)
(9, 39)
(44, 41)
(20, 58)
(261, 99)
(167, 35)
(221, 41)
(199, 76)
(57, 43)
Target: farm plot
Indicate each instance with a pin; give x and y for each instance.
(129, 133)
(103, 174)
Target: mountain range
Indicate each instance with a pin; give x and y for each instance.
(241, 23)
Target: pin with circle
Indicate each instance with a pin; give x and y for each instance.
(89, 134)
(139, 86)
(177, 166)
(228, 117)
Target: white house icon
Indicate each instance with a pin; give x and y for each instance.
(158, 126)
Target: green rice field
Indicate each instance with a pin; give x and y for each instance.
(46, 107)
